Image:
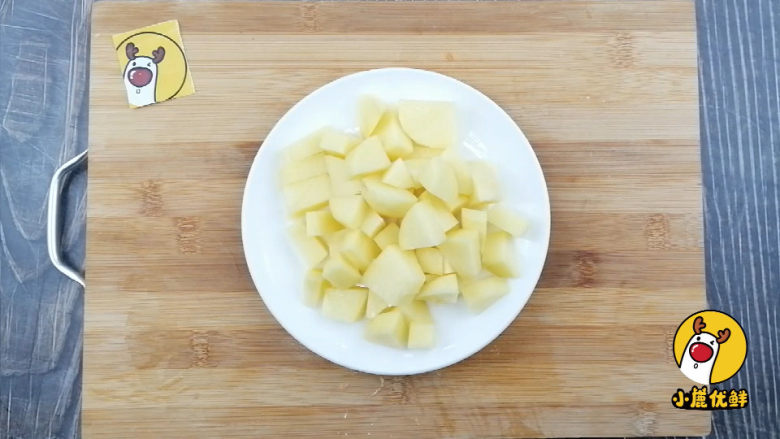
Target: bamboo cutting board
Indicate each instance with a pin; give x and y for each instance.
(177, 342)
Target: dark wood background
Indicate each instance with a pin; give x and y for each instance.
(43, 122)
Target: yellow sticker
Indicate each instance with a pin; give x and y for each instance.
(153, 65)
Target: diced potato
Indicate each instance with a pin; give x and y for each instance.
(334, 240)
(375, 305)
(420, 228)
(346, 305)
(320, 223)
(422, 335)
(415, 167)
(499, 256)
(462, 174)
(462, 201)
(396, 221)
(388, 328)
(491, 228)
(471, 219)
(372, 223)
(420, 319)
(337, 142)
(370, 110)
(446, 219)
(485, 184)
(398, 175)
(507, 219)
(416, 311)
(387, 200)
(308, 194)
(394, 275)
(430, 124)
(438, 178)
(430, 259)
(309, 167)
(313, 288)
(481, 293)
(442, 289)
(349, 210)
(394, 139)
(303, 148)
(341, 182)
(387, 236)
(422, 152)
(448, 267)
(339, 272)
(367, 157)
(358, 249)
(310, 249)
(461, 249)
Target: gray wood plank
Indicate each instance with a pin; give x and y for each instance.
(43, 120)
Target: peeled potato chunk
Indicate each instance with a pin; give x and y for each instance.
(303, 148)
(304, 169)
(389, 328)
(394, 275)
(310, 249)
(358, 249)
(394, 139)
(462, 174)
(421, 329)
(375, 305)
(507, 219)
(372, 223)
(313, 288)
(438, 178)
(416, 311)
(387, 236)
(431, 260)
(443, 289)
(422, 152)
(346, 305)
(387, 200)
(485, 184)
(398, 175)
(481, 293)
(498, 256)
(307, 194)
(415, 167)
(339, 272)
(446, 219)
(337, 142)
(422, 335)
(430, 124)
(370, 110)
(367, 157)
(462, 251)
(472, 219)
(320, 223)
(341, 182)
(348, 210)
(420, 228)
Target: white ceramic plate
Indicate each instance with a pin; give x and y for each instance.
(486, 132)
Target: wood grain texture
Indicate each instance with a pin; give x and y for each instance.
(40, 311)
(174, 330)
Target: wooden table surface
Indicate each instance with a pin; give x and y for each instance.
(43, 122)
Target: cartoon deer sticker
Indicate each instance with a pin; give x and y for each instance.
(701, 352)
(140, 75)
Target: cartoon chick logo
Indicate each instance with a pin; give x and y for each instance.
(710, 347)
(153, 65)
